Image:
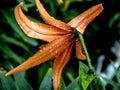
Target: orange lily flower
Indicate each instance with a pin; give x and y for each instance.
(59, 35)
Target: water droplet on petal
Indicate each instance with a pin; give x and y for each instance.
(32, 22)
(21, 27)
(23, 24)
(56, 51)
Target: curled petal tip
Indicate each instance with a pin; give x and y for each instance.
(9, 73)
(88, 16)
(60, 1)
(6, 74)
(21, 3)
(101, 6)
(82, 20)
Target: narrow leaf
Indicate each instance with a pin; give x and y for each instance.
(62, 84)
(6, 82)
(46, 83)
(6, 50)
(14, 41)
(10, 18)
(21, 82)
(73, 85)
(118, 75)
(96, 84)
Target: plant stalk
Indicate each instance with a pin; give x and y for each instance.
(84, 49)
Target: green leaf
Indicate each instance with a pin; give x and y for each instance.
(14, 41)
(82, 68)
(114, 19)
(10, 18)
(62, 84)
(86, 79)
(118, 75)
(42, 70)
(6, 65)
(46, 83)
(94, 26)
(96, 84)
(6, 82)
(12, 22)
(21, 82)
(80, 0)
(73, 85)
(11, 54)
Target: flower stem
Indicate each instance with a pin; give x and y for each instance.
(85, 49)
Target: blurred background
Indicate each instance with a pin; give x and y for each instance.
(102, 38)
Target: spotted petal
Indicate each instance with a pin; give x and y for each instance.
(51, 20)
(58, 65)
(46, 53)
(81, 21)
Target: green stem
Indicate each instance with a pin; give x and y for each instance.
(84, 49)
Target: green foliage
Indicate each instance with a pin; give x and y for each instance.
(46, 83)
(7, 83)
(118, 75)
(21, 83)
(15, 46)
(115, 83)
(84, 81)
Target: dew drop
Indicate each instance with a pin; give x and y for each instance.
(23, 24)
(32, 22)
(18, 23)
(31, 34)
(21, 27)
(56, 51)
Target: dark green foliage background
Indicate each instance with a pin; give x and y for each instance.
(15, 46)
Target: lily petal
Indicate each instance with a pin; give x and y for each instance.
(51, 20)
(23, 21)
(60, 1)
(81, 21)
(46, 53)
(79, 53)
(58, 65)
(37, 35)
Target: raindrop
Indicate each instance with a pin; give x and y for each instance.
(18, 23)
(21, 27)
(56, 51)
(32, 22)
(23, 24)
